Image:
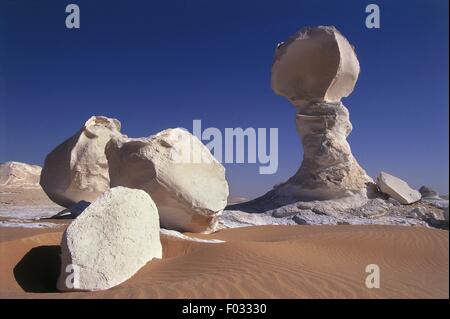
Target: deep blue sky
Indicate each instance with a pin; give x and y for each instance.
(160, 64)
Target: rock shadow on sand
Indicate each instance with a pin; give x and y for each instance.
(38, 270)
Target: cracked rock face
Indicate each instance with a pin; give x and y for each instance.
(186, 182)
(314, 69)
(110, 241)
(77, 169)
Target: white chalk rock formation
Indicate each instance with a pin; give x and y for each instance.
(77, 170)
(19, 175)
(314, 69)
(316, 65)
(110, 241)
(186, 182)
(397, 189)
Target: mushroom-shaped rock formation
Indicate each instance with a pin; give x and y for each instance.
(186, 182)
(314, 69)
(77, 169)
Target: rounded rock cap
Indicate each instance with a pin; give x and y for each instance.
(316, 64)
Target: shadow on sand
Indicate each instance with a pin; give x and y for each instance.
(39, 269)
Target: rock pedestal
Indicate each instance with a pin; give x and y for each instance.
(314, 69)
(329, 169)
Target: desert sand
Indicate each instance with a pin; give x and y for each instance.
(253, 262)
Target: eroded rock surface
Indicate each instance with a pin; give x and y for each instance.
(316, 64)
(110, 241)
(186, 182)
(329, 169)
(77, 169)
(314, 69)
(19, 175)
(356, 210)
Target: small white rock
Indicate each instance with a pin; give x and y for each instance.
(397, 188)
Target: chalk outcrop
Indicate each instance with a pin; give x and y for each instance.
(314, 69)
(186, 182)
(77, 169)
(397, 188)
(315, 65)
(19, 175)
(110, 241)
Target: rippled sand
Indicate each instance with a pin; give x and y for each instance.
(253, 262)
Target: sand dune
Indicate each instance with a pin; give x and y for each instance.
(254, 262)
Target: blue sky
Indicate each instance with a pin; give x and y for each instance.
(160, 64)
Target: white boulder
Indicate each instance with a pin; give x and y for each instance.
(186, 182)
(316, 64)
(110, 241)
(77, 170)
(397, 188)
